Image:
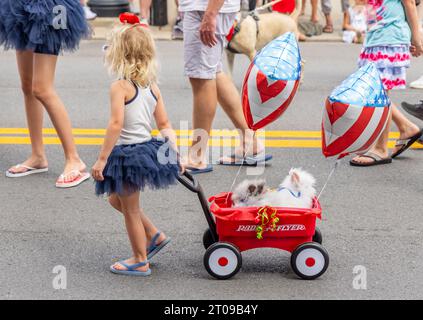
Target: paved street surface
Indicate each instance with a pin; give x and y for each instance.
(372, 216)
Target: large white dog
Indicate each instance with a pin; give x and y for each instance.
(253, 32)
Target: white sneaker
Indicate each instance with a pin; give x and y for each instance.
(418, 84)
(89, 15)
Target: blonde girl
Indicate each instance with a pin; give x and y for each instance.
(131, 159)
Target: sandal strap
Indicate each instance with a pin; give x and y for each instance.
(134, 266)
(65, 176)
(237, 157)
(77, 173)
(24, 166)
(372, 155)
(401, 142)
(154, 240)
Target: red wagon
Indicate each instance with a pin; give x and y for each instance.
(233, 230)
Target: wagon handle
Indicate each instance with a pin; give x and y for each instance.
(189, 182)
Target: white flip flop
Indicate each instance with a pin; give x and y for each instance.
(29, 171)
(77, 180)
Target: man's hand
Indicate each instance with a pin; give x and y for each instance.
(208, 29)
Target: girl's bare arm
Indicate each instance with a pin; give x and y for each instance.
(162, 120)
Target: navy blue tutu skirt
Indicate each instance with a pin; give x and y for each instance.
(42, 26)
(131, 168)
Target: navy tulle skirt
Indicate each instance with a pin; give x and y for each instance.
(42, 26)
(131, 168)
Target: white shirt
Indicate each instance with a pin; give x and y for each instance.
(229, 6)
(138, 118)
(358, 18)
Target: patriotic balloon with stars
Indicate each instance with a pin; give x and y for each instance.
(355, 114)
(271, 81)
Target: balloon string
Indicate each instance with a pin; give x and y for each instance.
(240, 167)
(338, 161)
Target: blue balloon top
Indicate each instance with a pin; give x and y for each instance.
(280, 59)
(363, 88)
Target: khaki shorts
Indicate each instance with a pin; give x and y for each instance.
(201, 61)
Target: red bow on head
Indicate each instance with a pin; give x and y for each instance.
(131, 18)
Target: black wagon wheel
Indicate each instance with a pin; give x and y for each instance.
(309, 260)
(222, 260)
(318, 237)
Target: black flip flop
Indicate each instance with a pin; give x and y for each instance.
(406, 143)
(377, 160)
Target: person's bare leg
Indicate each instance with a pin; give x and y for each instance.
(314, 11)
(380, 147)
(150, 228)
(406, 127)
(344, 21)
(230, 100)
(329, 21)
(145, 6)
(34, 113)
(303, 7)
(44, 91)
(136, 232)
(327, 9)
(205, 104)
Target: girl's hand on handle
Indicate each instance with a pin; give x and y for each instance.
(182, 167)
(97, 170)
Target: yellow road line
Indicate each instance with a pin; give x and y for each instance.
(51, 131)
(184, 142)
(186, 133)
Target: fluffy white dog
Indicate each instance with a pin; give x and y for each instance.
(296, 191)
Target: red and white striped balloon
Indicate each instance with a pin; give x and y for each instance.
(350, 129)
(355, 114)
(271, 81)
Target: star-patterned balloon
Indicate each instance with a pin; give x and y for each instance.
(355, 114)
(362, 88)
(271, 81)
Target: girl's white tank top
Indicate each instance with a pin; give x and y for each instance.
(139, 117)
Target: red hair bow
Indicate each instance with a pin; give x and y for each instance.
(131, 18)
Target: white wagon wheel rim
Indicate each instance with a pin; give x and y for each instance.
(223, 261)
(310, 262)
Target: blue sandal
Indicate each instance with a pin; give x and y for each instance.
(193, 170)
(252, 161)
(131, 269)
(154, 248)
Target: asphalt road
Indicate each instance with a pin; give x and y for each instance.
(372, 217)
